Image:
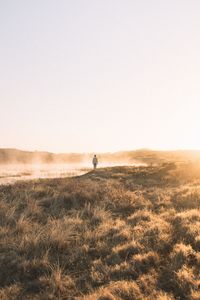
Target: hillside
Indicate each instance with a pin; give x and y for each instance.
(117, 233)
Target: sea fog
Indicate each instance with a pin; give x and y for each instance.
(10, 173)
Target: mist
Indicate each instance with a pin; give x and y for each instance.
(17, 165)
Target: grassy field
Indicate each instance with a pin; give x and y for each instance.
(117, 233)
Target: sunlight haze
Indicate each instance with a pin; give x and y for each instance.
(102, 76)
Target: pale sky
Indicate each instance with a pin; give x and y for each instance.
(106, 75)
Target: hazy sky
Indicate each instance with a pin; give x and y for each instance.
(106, 75)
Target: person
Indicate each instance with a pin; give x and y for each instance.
(95, 161)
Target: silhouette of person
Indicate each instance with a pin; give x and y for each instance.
(95, 161)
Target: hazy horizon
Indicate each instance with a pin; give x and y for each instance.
(99, 76)
(104, 152)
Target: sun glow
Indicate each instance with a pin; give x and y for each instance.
(96, 83)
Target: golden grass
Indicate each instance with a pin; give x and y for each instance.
(117, 233)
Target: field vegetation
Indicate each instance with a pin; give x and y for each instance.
(117, 233)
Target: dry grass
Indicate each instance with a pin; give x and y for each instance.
(118, 233)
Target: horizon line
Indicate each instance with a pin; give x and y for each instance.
(105, 152)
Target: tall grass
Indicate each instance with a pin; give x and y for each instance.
(117, 233)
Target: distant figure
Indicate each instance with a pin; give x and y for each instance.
(95, 162)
